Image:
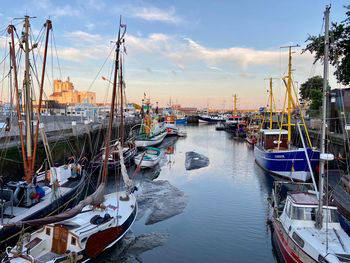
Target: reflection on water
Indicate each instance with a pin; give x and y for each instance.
(214, 214)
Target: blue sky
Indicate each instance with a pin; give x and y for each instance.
(197, 53)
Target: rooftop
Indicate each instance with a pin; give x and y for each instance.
(274, 131)
(302, 198)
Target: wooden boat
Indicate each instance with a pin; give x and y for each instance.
(148, 158)
(42, 192)
(94, 225)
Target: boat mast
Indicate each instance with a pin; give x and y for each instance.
(235, 104)
(324, 115)
(289, 94)
(48, 26)
(28, 101)
(114, 93)
(121, 83)
(271, 122)
(11, 30)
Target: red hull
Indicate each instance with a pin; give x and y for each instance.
(289, 255)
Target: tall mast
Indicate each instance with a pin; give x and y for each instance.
(324, 115)
(271, 98)
(114, 93)
(28, 101)
(11, 30)
(48, 26)
(289, 94)
(121, 83)
(235, 104)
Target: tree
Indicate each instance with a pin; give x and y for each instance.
(311, 90)
(339, 48)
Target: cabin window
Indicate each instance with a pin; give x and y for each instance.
(48, 231)
(74, 241)
(297, 213)
(330, 215)
(310, 213)
(298, 239)
(288, 208)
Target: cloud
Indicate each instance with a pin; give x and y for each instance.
(56, 10)
(214, 68)
(151, 13)
(83, 36)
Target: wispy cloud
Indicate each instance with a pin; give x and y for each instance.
(151, 13)
(83, 36)
(54, 10)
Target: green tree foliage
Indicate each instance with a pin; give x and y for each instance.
(339, 54)
(311, 90)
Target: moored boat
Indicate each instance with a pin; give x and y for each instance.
(149, 158)
(92, 226)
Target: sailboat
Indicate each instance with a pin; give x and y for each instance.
(45, 191)
(305, 229)
(275, 152)
(95, 224)
(128, 146)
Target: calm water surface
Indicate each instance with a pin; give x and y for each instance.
(226, 214)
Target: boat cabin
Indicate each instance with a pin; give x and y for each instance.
(269, 138)
(303, 206)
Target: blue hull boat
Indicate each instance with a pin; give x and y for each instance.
(181, 121)
(291, 164)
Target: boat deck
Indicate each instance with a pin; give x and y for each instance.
(21, 213)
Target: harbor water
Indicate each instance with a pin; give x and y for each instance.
(218, 213)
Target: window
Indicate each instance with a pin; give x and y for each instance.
(310, 213)
(297, 213)
(298, 239)
(74, 241)
(330, 215)
(48, 231)
(287, 208)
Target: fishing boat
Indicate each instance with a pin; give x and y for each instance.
(170, 123)
(94, 225)
(148, 158)
(49, 189)
(274, 151)
(210, 118)
(181, 120)
(152, 132)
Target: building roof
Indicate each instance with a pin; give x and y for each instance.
(302, 198)
(274, 131)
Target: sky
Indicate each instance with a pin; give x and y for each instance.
(194, 53)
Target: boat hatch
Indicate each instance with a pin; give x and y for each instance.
(60, 239)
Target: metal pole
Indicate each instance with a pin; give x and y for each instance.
(271, 104)
(324, 115)
(289, 110)
(307, 159)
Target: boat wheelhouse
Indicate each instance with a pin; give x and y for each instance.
(273, 155)
(300, 241)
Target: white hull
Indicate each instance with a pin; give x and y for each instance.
(154, 141)
(147, 163)
(83, 231)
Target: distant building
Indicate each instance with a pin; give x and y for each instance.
(64, 93)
